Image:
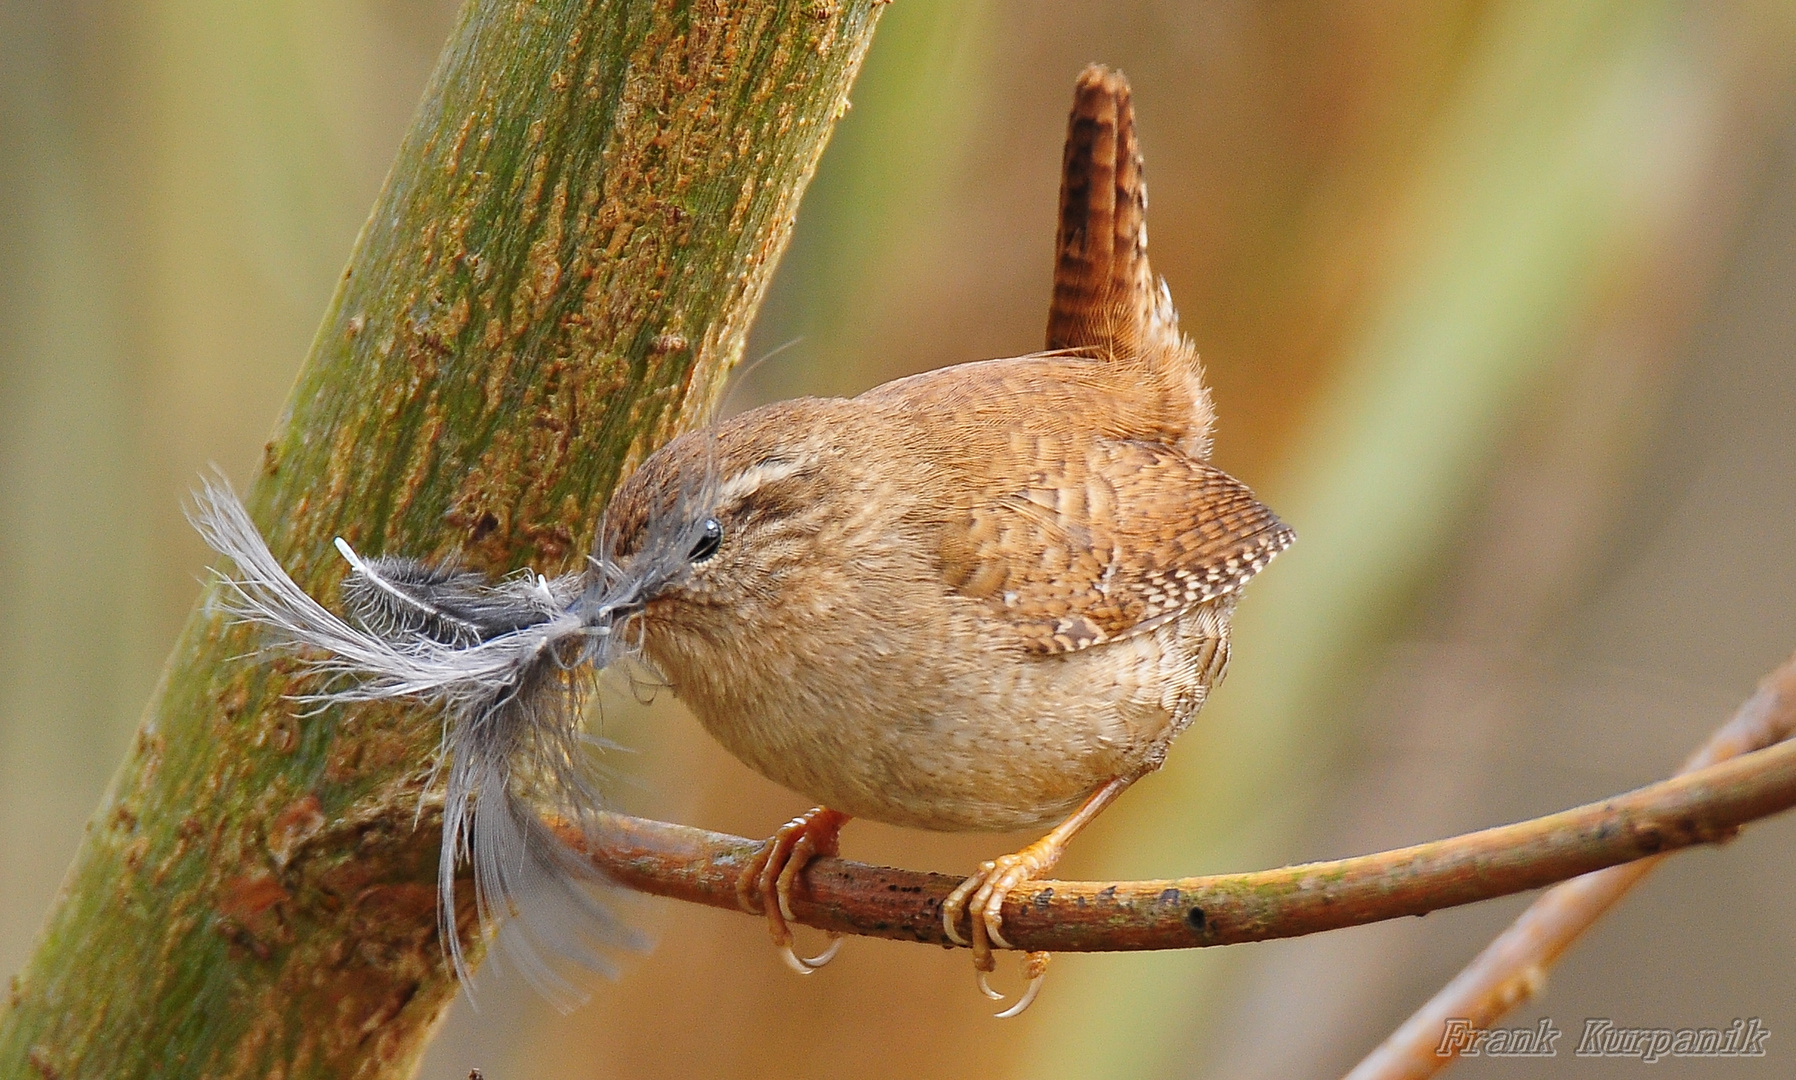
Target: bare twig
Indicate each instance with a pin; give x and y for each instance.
(1513, 968)
(1731, 782)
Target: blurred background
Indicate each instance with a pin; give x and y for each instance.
(1497, 302)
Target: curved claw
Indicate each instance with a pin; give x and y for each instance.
(806, 965)
(765, 884)
(985, 987)
(1035, 969)
(829, 952)
(1025, 1001)
(793, 961)
(998, 878)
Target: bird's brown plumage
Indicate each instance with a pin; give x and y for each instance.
(922, 606)
(968, 598)
(1113, 539)
(985, 597)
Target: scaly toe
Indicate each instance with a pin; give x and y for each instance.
(766, 882)
(991, 912)
(802, 853)
(956, 903)
(748, 882)
(992, 923)
(988, 904)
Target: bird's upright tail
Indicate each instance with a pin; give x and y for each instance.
(1106, 296)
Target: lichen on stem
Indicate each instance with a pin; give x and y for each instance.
(558, 275)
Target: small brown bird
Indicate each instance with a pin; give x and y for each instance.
(984, 598)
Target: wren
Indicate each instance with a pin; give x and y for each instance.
(983, 598)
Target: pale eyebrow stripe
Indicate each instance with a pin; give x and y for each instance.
(751, 479)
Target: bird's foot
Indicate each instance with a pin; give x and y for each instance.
(1035, 969)
(765, 885)
(981, 898)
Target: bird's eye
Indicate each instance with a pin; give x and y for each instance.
(710, 536)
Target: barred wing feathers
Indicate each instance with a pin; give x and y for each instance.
(1110, 542)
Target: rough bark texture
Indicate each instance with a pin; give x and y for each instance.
(558, 275)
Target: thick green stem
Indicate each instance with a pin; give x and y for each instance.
(558, 275)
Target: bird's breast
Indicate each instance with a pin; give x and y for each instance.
(933, 727)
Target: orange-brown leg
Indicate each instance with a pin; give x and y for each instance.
(765, 885)
(981, 896)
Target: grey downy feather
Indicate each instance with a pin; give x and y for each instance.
(508, 665)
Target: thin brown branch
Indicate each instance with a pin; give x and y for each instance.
(1513, 968)
(1706, 804)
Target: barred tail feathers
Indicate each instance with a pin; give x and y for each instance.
(1106, 297)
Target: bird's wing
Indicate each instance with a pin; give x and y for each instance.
(1108, 542)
